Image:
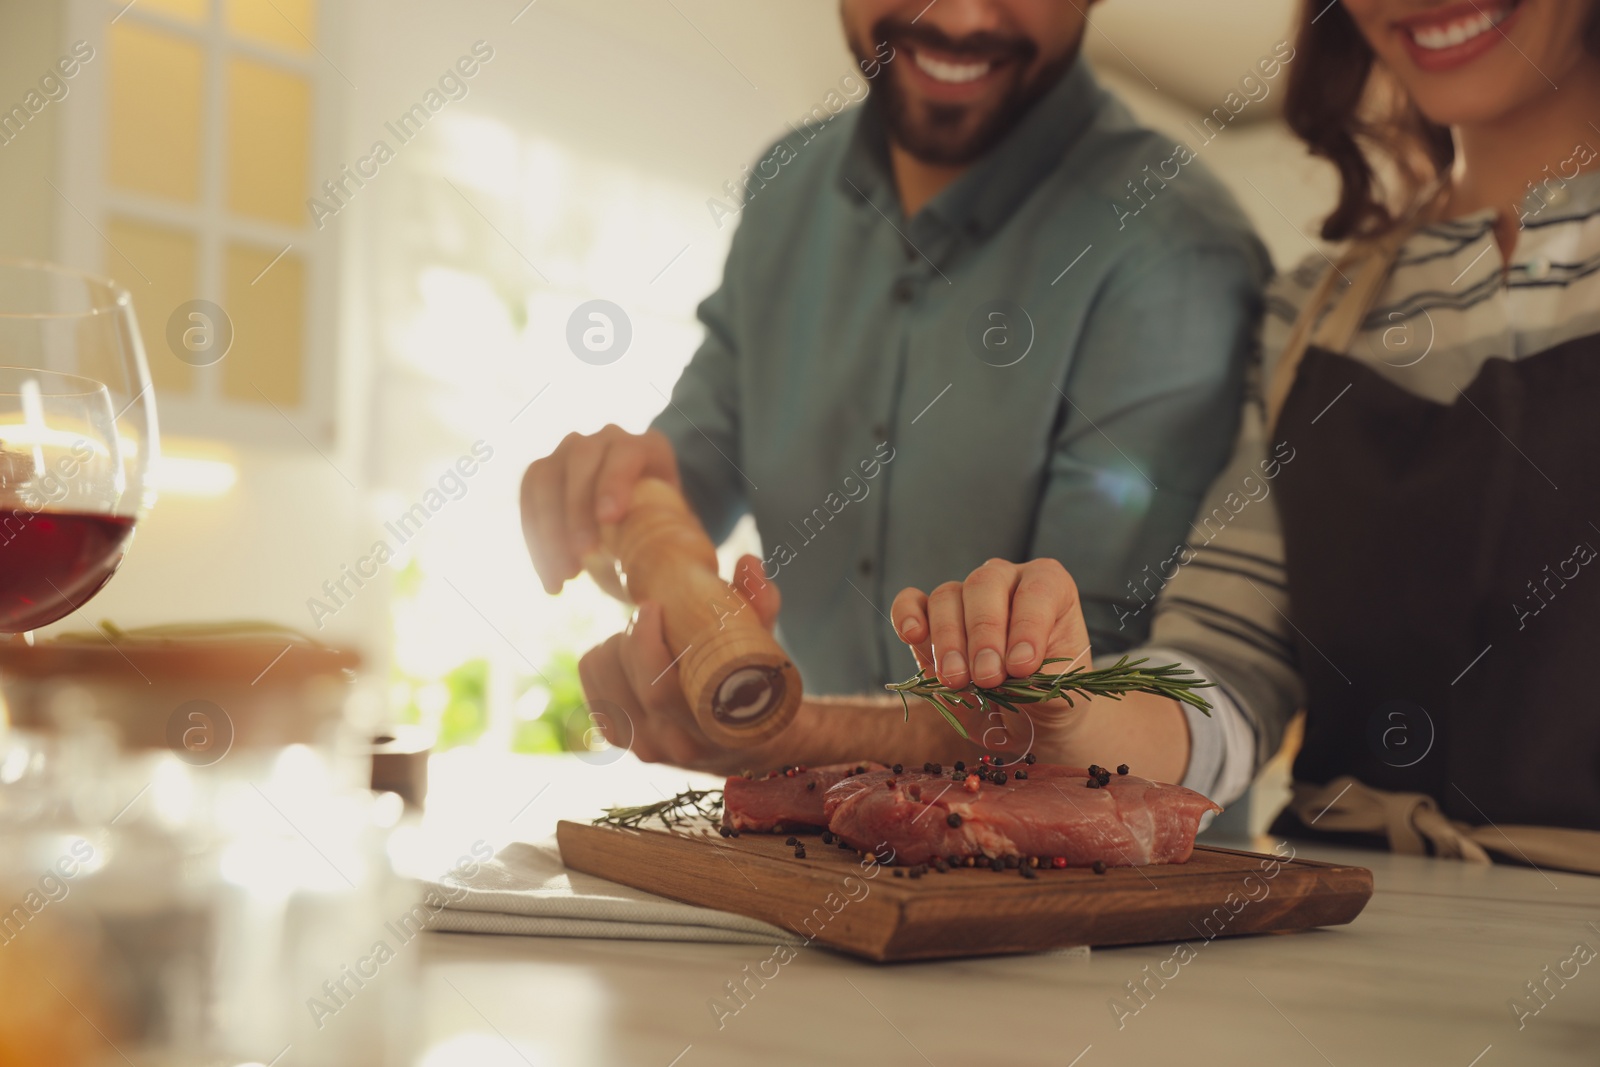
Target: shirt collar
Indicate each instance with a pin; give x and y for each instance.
(992, 188)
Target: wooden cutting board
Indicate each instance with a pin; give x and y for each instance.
(837, 898)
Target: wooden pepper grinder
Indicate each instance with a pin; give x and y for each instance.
(740, 684)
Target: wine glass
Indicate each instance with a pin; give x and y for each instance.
(77, 439)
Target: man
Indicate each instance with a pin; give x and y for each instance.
(983, 315)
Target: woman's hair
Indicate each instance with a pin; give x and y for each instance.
(1352, 112)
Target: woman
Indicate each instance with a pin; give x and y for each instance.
(1403, 542)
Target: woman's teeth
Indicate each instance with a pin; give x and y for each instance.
(954, 73)
(1460, 31)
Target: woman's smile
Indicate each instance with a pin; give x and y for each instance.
(1451, 36)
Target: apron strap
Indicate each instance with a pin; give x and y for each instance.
(1412, 822)
(1370, 261)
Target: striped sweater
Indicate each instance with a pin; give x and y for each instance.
(1221, 602)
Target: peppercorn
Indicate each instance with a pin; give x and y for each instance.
(898, 873)
(1030, 759)
(916, 872)
(799, 852)
(1093, 783)
(961, 765)
(941, 866)
(954, 861)
(844, 844)
(827, 838)
(791, 840)
(938, 768)
(998, 778)
(971, 785)
(899, 768)
(811, 785)
(725, 832)
(953, 819)
(1027, 872)
(971, 861)
(861, 769)
(1094, 770)
(1011, 862)
(733, 833)
(1099, 866)
(927, 768)
(1058, 862)
(1122, 768)
(998, 761)
(997, 864)
(1033, 861)
(1020, 774)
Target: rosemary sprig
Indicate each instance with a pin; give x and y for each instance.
(673, 812)
(1124, 676)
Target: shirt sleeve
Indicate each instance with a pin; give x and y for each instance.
(1147, 417)
(1221, 744)
(701, 417)
(1223, 602)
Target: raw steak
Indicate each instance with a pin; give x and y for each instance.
(788, 799)
(1051, 813)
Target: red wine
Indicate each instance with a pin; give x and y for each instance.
(53, 561)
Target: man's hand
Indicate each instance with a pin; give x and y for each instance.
(636, 673)
(586, 481)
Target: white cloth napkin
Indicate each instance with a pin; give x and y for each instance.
(525, 889)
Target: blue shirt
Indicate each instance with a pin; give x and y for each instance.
(1047, 360)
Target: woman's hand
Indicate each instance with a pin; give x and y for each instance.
(1004, 621)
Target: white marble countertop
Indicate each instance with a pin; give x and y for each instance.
(1427, 975)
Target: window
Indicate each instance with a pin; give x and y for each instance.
(209, 119)
(507, 230)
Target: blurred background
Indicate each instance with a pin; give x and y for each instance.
(398, 244)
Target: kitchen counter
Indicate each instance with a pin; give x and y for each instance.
(1428, 974)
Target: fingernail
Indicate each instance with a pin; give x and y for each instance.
(954, 664)
(986, 664)
(907, 625)
(1021, 653)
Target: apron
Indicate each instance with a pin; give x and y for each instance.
(1444, 589)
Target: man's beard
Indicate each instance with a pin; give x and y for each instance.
(957, 134)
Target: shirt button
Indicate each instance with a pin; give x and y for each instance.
(905, 291)
(1538, 268)
(865, 567)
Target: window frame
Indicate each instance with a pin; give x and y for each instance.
(204, 411)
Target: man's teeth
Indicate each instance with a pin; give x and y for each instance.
(1460, 31)
(954, 73)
